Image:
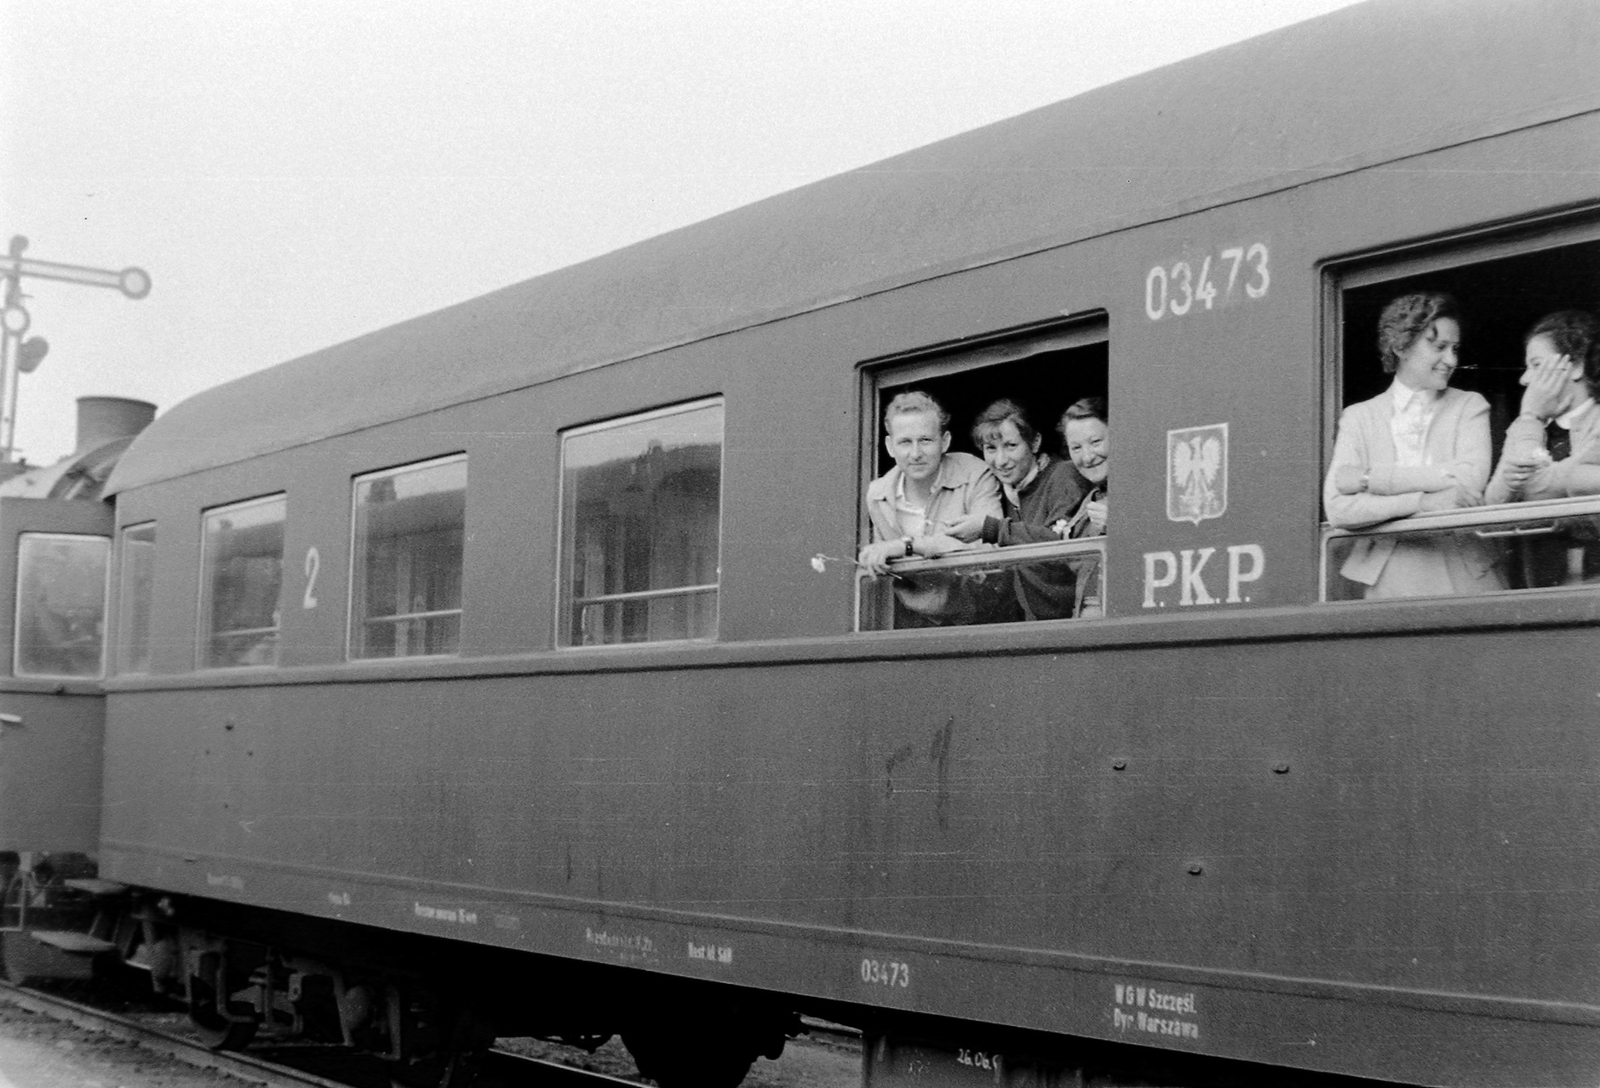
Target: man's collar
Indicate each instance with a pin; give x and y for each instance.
(933, 488)
(900, 485)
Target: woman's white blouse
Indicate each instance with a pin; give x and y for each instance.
(1413, 412)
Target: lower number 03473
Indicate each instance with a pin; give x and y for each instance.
(886, 973)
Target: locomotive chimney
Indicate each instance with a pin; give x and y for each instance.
(106, 419)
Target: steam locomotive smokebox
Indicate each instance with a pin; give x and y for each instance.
(106, 419)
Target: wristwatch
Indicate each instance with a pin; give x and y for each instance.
(910, 551)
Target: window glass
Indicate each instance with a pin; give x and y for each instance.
(135, 596)
(408, 526)
(999, 585)
(1449, 493)
(61, 600)
(1536, 545)
(641, 503)
(1015, 529)
(242, 573)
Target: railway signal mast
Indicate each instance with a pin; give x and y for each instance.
(23, 356)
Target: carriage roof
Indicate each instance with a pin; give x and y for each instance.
(1361, 86)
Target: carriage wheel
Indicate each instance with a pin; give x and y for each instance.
(217, 1030)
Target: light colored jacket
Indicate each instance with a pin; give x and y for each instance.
(1457, 442)
(1558, 479)
(965, 485)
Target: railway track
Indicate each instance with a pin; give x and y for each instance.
(501, 1067)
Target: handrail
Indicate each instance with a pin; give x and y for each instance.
(1472, 516)
(645, 594)
(400, 617)
(993, 553)
(240, 632)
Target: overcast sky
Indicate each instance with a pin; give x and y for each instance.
(294, 173)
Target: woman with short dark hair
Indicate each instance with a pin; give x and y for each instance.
(1418, 446)
(1039, 491)
(1561, 374)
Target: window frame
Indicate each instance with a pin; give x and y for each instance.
(564, 606)
(1506, 516)
(1392, 263)
(350, 582)
(121, 580)
(1417, 258)
(947, 359)
(203, 633)
(1015, 554)
(16, 609)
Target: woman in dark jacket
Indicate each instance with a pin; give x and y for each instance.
(1040, 491)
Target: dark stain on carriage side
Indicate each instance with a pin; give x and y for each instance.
(939, 756)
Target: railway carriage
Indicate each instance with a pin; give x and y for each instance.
(53, 565)
(481, 679)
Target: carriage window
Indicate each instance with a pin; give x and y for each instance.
(408, 526)
(1441, 513)
(1042, 558)
(134, 586)
(61, 599)
(1533, 545)
(241, 575)
(641, 505)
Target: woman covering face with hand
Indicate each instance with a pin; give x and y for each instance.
(1418, 446)
(1552, 448)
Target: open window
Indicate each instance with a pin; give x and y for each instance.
(1452, 544)
(241, 563)
(408, 526)
(1055, 570)
(641, 517)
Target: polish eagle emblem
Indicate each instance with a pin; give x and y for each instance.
(1197, 473)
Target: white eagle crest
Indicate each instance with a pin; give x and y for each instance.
(1197, 484)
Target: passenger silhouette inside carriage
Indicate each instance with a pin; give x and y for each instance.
(61, 608)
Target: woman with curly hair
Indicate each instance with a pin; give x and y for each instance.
(1417, 447)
